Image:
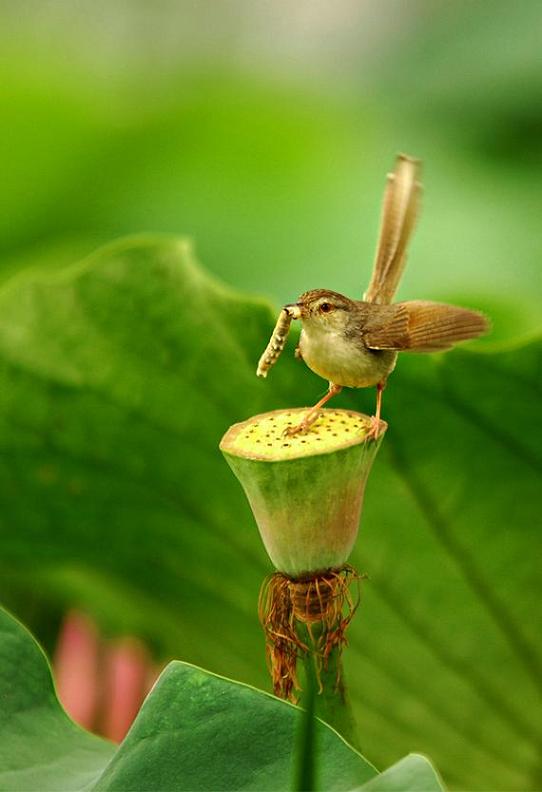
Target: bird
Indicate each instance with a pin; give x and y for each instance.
(355, 343)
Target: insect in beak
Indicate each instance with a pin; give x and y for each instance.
(294, 310)
(278, 339)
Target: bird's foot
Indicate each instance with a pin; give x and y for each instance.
(376, 428)
(303, 426)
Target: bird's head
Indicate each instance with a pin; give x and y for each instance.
(322, 310)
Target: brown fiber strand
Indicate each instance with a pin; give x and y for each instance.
(323, 603)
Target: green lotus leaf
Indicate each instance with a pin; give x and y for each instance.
(119, 376)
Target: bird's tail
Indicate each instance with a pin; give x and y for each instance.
(399, 212)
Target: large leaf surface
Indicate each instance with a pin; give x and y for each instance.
(413, 772)
(195, 731)
(118, 378)
(40, 747)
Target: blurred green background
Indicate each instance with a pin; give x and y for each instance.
(264, 130)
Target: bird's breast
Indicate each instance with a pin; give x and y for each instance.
(344, 362)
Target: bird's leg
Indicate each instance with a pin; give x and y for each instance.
(379, 391)
(376, 425)
(312, 415)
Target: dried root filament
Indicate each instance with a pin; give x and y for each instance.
(323, 605)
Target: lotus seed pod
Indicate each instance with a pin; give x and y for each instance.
(305, 491)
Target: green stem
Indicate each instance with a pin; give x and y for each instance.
(306, 747)
(331, 702)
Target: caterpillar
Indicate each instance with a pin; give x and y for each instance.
(276, 343)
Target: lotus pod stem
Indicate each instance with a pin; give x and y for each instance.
(306, 493)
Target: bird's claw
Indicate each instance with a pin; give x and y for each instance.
(376, 428)
(301, 428)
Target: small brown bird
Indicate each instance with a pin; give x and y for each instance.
(354, 343)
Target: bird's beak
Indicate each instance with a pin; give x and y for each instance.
(294, 309)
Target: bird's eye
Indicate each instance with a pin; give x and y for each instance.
(326, 307)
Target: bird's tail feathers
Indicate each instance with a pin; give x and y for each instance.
(400, 210)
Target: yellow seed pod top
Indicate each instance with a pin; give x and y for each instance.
(263, 436)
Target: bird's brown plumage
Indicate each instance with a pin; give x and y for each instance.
(354, 343)
(422, 326)
(400, 209)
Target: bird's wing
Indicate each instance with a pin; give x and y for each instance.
(399, 212)
(422, 326)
